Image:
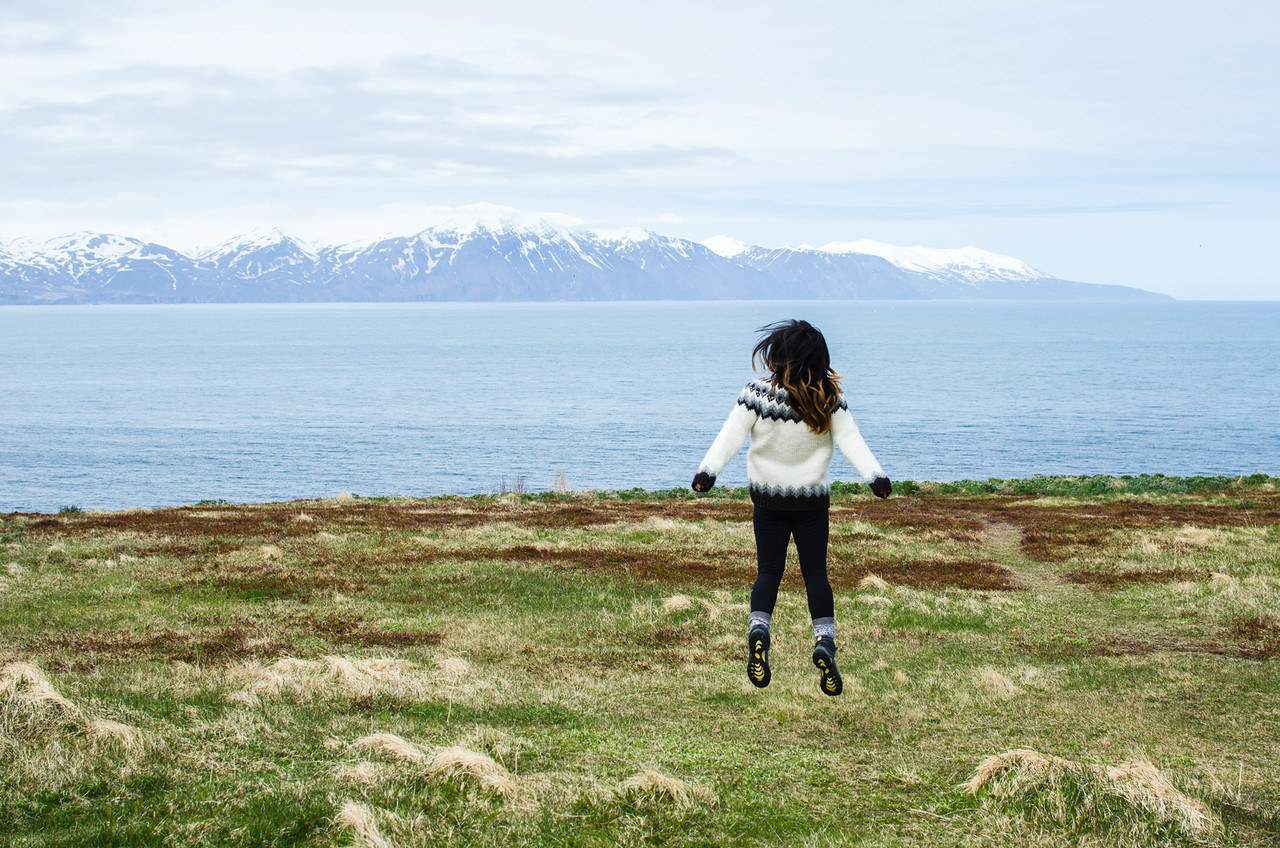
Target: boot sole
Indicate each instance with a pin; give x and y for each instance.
(758, 664)
(830, 681)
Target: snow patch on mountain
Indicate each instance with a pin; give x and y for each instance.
(624, 235)
(970, 263)
(493, 218)
(726, 246)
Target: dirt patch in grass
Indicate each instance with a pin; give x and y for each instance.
(1247, 643)
(932, 574)
(271, 580)
(192, 531)
(1134, 577)
(274, 521)
(640, 564)
(1259, 636)
(1239, 650)
(605, 512)
(1054, 532)
(234, 642)
(349, 631)
(239, 640)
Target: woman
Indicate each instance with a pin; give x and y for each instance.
(794, 416)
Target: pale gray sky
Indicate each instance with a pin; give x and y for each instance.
(1134, 142)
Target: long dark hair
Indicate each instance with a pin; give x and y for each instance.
(796, 356)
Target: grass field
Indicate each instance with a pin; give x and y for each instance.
(1045, 663)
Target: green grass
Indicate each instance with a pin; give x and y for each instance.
(580, 640)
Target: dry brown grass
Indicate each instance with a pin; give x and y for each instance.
(33, 708)
(453, 670)
(1075, 792)
(942, 573)
(363, 773)
(996, 684)
(464, 766)
(651, 787)
(454, 763)
(1224, 584)
(360, 820)
(677, 603)
(332, 676)
(31, 705)
(117, 735)
(872, 583)
(1130, 577)
(392, 746)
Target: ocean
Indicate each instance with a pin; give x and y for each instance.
(105, 407)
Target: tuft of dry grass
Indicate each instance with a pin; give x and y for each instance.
(453, 670)
(31, 705)
(360, 820)
(454, 763)
(1191, 536)
(656, 788)
(117, 735)
(996, 684)
(677, 603)
(363, 773)
(872, 583)
(331, 676)
(390, 745)
(1224, 584)
(1087, 794)
(464, 766)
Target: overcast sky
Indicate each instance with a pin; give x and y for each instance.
(1134, 142)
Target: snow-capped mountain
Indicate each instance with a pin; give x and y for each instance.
(491, 253)
(967, 263)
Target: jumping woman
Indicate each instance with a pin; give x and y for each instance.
(793, 416)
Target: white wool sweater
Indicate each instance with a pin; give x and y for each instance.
(788, 463)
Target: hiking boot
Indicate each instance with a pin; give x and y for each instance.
(824, 657)
(758, 657)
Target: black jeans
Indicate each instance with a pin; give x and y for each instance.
(774, 529)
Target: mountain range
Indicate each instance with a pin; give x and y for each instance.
(492, 256)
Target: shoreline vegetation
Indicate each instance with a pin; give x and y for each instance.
(1093, 485)
(1056, 661)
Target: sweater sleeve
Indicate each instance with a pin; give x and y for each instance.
(844, 430)
(729, 441)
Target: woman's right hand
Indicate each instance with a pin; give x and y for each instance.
(702, 482)
(881, 487)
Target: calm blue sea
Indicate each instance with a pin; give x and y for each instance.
(117, 406)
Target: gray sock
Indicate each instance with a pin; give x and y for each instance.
(759, 619)
(824, 628)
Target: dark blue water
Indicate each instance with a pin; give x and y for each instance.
(115, 406)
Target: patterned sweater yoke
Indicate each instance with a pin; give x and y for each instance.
(788, 464)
